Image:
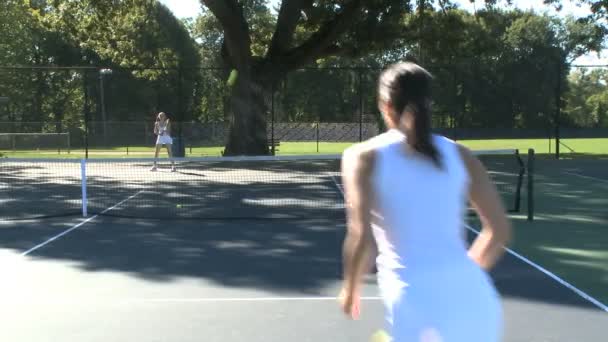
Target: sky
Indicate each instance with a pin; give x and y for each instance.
(191, 8)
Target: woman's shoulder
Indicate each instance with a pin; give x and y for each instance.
(367, 150)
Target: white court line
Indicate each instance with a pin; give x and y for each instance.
(552, 276)
(586, 177)
(78, 225)
(337, 185)
(174, 300)
(243, 299)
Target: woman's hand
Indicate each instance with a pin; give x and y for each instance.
(350, 302)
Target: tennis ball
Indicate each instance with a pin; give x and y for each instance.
(380, 336)
(179, 206)
(234, 74)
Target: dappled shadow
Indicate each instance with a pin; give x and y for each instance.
(569, 235)
(227, 191)
(280, 256)
(301, 254)
(514, 278)
(39, 189)
(198, 190)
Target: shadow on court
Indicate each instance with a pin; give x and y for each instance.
(285, 255)
(302, 256)
(198, 190)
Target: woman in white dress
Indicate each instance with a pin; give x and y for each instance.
(162, 129)
(406, 191)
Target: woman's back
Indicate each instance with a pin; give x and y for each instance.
(408, 190)
(417, 218)
(419, 207)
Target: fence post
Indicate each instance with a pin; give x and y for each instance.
(272, 144)
(360, 80)
(86, 113)
(181, 147)
(558, 109)
(317, 133)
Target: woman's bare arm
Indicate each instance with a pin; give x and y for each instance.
(357, 165)
(487, 248)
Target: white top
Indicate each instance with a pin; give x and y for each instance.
(162, 128)
(418, 211)
(426, 279)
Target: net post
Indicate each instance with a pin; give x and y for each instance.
(83, 182)
(520, 178)
(531, 159)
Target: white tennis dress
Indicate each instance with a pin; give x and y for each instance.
(432, 290)
(163, 139)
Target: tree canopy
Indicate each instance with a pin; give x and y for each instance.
(303, 61)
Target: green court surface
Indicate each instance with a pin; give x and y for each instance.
(569, 235)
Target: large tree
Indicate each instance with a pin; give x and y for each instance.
(305, 31)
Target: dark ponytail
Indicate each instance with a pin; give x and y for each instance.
(407, 87)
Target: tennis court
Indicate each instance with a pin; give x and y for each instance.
(221, 250)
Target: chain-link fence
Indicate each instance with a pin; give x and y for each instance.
(317, 110)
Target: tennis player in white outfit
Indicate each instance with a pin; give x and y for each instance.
(407, 189)
(162, 129)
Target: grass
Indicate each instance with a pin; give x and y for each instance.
(570, 148)
(596, 146)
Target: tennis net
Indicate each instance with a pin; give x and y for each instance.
(278, 187)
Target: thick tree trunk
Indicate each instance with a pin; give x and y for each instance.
(247, 135)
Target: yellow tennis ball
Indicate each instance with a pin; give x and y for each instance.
(179, 206)
(380, 336)
(234, 74)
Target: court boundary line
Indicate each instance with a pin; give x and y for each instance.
(65, 232)
(543, 270)
(586, 177)
(551, 275)
(244, 299)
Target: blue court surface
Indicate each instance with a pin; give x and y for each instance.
(116, 279)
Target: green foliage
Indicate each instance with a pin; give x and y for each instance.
(587, 98)
(493, 68)
(134, 38)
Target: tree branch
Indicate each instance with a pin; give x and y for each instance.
(289, 14)
(236, 30)
(317, 45)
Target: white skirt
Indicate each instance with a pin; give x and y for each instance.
(164, 140)
(456, 305)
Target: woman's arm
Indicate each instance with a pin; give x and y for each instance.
(496, 229)
(156, 128)
(357, 165)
